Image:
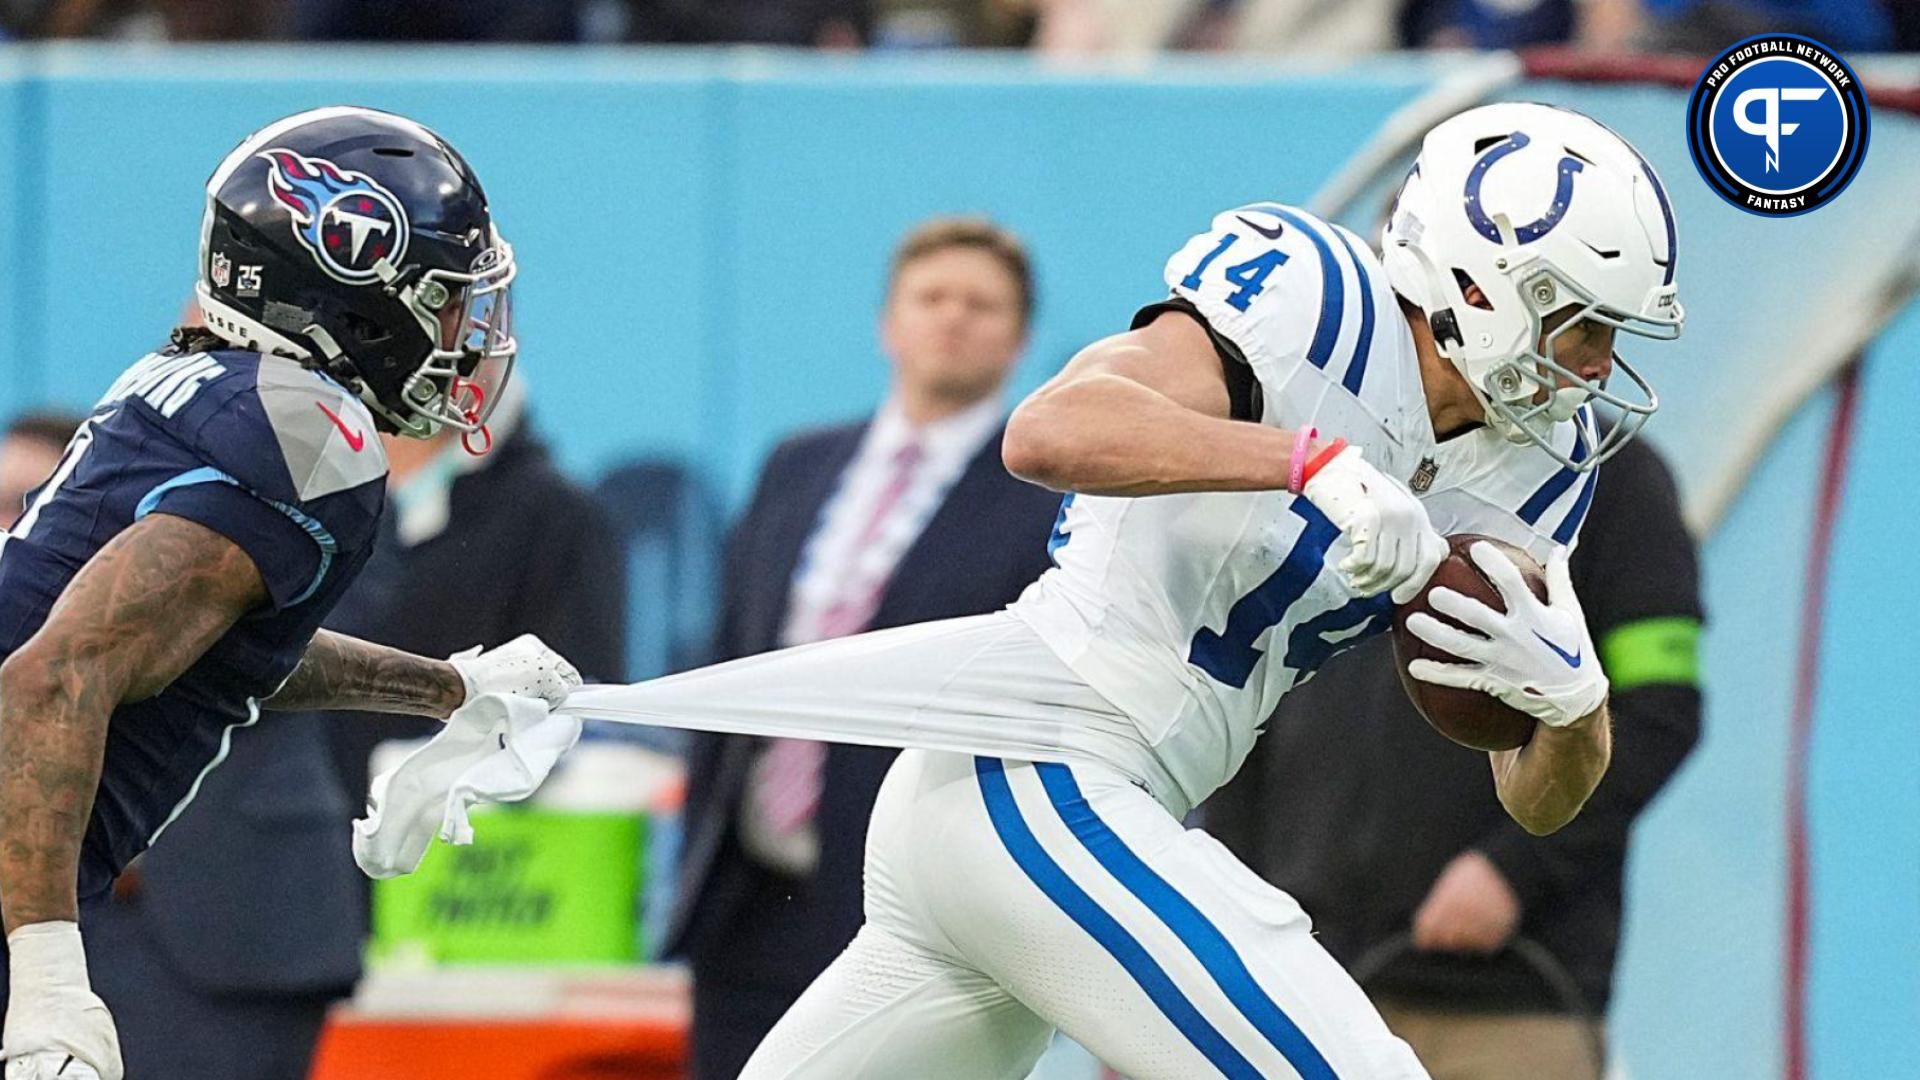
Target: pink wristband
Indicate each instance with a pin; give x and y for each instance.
(1297, 469)
(1327, 453)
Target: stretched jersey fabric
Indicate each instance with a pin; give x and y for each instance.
(1193, 614)
(278, 459)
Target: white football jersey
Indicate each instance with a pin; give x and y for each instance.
(1194, 613)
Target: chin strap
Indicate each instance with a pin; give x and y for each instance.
(486, 441)
(461, 386)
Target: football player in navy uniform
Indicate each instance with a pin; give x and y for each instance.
(168, 581)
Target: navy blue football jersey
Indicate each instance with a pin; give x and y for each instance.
(279, 459)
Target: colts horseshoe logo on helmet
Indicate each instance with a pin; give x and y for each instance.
(344, 219)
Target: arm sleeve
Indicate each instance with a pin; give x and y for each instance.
(291, 549)
(1638, 579)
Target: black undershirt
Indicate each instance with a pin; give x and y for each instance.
(1243, 389)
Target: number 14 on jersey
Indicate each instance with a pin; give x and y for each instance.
(1249, 277)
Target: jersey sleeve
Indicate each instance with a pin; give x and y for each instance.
(288, 467)
(292, 561)
(1289, 290)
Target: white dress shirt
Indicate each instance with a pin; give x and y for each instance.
(834, 556)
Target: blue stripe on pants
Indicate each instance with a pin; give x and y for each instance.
(1102, 926)
(1204, 939)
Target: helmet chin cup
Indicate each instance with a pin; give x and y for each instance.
(1505, 398)
(1565, 403)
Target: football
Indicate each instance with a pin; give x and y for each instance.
(1468, 717)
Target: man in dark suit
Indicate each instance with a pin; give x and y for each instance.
(903, 518)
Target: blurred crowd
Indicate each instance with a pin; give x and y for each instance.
(1069, 27)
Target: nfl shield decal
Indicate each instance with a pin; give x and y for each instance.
(1423, 476)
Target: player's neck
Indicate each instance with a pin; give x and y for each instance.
(407, 456)
(1451, 406)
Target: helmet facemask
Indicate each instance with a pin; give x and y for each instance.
(468, 317)
(1527, 393)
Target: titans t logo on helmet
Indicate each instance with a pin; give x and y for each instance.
(346, 220)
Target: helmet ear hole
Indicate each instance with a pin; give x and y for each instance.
(364, 330)
(1476, 296)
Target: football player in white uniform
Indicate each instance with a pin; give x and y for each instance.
(1256, 472)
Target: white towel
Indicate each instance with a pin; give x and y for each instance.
(495, 748)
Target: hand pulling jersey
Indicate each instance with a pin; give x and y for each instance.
(1194, 614)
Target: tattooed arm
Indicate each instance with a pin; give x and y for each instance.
(341, 672)
(143, 610)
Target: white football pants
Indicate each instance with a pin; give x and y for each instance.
(1005, 899)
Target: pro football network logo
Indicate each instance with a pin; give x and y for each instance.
(1778, 125)
(346, 220)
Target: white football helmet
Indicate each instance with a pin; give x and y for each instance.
(1543, 208)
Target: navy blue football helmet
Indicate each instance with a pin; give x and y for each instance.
(361, 244)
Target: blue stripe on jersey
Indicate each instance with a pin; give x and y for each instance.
(329, 547)
(1559, 482)
(220, 755)
(207, 474)
(1101, 925)
(1333, 288)
(1570, 524)
(1059, 537)
(1193, 928)
(1357, 367)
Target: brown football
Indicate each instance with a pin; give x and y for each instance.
(1468, 717)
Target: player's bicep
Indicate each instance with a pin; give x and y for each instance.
(145, 607)
(1173, 356)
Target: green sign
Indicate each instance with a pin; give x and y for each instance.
(534, 887)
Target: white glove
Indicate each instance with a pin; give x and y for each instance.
(1394, 546)
(1536, 657)
(523, 667)
(55, 1027)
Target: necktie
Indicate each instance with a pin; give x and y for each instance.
(784, 791)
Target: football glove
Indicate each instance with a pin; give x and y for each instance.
(1535, 657)
(56, 1027)
(523, 667)
(1393, 545)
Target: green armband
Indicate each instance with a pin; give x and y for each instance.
(1653, 651)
